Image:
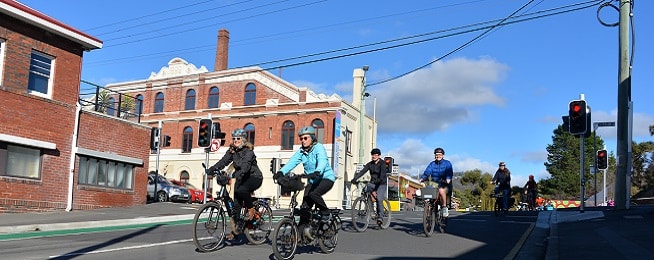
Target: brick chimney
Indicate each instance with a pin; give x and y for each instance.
(222, 50)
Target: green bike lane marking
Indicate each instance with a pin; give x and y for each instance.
(66, 232)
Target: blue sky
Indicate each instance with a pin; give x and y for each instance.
(497, 99)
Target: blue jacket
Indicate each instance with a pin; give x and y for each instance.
(313, 161)
(438, 171)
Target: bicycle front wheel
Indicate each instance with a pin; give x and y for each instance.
(498, 206)
(258, 230)
(360, 214)
(285, 239)
(329, 238)
(428, 219)
(209, 227)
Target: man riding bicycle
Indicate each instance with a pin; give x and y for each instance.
(378, 181)
(439, 174)
(530, 188)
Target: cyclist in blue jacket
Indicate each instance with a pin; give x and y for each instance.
(315, 162)
(439, 174)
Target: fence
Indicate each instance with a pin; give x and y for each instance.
(94, 97)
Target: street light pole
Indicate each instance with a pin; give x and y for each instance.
(362, 107)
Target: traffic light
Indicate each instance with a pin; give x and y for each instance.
(166, 141)
(566, 123)
(154, 138)
(389, 163)
(217, 134)
(273, 165)
(602, 160)
(578, 117)
(204, 133)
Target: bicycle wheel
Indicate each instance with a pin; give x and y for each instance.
(285, 238)
(498, 206)
(258, 229)
(209, 227)
(360, 214)
(329, 238)
(386, 215)
(428, 219)
(440, 220)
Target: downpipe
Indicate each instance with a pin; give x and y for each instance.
(73, 152)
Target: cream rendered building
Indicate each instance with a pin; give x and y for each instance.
(269, 108)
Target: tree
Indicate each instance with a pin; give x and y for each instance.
(641, 156)
(563, 161)
(478, 188)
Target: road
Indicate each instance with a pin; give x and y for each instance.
(478, 235)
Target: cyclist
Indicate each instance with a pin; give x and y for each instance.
(321, 177)
(246, 172)
(503, 178)
(378, 182)
(439, 174)
(531, 187)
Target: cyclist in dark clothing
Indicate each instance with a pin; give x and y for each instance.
(378, 180)
(531, 187)
(502, 178)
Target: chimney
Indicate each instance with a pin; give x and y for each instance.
(222, 50)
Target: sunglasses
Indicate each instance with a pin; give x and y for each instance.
(305, 138)
(236, 138)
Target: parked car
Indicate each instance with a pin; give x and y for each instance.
(166, 190)
(196, 194)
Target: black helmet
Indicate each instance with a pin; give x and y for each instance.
(439, 150)
(375, 151)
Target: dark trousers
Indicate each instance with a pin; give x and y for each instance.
(313, 195)
(242, 192)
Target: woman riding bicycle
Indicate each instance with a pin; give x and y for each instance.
(321, 177)
(439, 174)
(530, 188)
(502, 178)
(247, 174)
(378, 182)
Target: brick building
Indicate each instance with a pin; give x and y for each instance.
(51, 156)
(270, 109)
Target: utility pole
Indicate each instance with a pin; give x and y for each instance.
(625, 110)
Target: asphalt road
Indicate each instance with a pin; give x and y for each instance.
(477, 235)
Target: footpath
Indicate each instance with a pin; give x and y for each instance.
(597, 233)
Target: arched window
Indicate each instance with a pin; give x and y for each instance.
(111, 107)
(159, 103)
(320, 129)
(187, 139)
(139, 104)
(189, 102)
(249, 131)
(288, 135)
(184, 177)
(214, 97)
(250, 94)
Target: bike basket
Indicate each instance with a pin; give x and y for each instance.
(222, 179)
(292, 184)
(428, 193)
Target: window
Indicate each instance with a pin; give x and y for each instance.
(249, 131)
(214, 97)
(105, 173)
(189, 103)
(2, 58)
(288, 135)
(348, 141)
(187, 139)
(20, 161)
(250, 94)
(320, 129)
(184, 177)
(40, 78)
(111, 106)
(159, 103)
(139, 104)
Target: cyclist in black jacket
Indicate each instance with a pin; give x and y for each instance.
(378, 181)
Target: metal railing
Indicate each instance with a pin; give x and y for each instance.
(97, 98)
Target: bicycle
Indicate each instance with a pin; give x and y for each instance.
(209, 223)
(499, 202)
(432, 216)
(364, 209)
(287, 236)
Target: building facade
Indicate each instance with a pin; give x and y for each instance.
(270, 109)
(53, 154)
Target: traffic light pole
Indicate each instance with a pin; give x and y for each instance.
(581, 173)
(206, 178)
(156, 169)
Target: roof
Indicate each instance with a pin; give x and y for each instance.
(30, 16)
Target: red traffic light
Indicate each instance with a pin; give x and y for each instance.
(576, 107)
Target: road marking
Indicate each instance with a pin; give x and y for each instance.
(518, 245)
(122, 248)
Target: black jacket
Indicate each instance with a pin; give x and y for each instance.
(378, 172)
(245, 163)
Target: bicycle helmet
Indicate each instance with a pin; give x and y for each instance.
(439, 150)
(502, 164)
(375, 151)
(307, 130)
(531, 177)
(239, 132)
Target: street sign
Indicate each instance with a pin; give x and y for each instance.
(602, 124)
(395, 169)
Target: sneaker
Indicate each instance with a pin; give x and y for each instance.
(445, 212)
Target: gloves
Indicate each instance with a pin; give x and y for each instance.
(278, 174)
(210, 171)
(353, 181)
